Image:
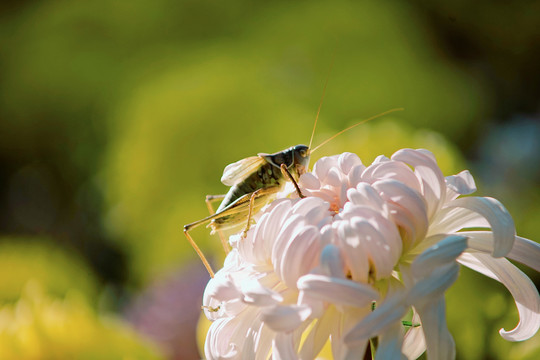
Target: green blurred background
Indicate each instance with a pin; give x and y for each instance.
(118, 117)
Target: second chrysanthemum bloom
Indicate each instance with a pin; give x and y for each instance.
(349, 261)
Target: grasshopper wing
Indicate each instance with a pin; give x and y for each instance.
(238, 171)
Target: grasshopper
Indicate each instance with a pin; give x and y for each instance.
(254, 183)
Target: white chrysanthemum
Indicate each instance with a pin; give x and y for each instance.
(390, 234)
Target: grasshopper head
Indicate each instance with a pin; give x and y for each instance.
(301, 158)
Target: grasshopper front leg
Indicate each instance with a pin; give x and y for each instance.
(286, 172)
(250, 212)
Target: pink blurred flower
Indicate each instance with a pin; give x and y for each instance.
(389, 236)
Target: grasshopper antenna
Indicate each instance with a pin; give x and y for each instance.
(322, 98)
(353, 126)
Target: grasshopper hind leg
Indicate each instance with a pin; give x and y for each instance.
(209, 200)
(187, 228)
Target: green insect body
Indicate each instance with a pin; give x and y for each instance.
(266, 172)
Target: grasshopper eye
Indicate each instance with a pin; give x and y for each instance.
(303, 153)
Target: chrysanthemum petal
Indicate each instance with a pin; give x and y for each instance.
(259, 339)
(258, 295)
(222, 287)
(524, 250)
(430, 175)
(406, 201)
(218, 344)
(444, 252)
(337, 290)
(289, 229)
(318, 335)
(272, 226)
(439, 341)
(392, 170)
(434, 284)
(283, 348)
(356, 351)
(498, 217)
(462, 183)
(305, 205)
(309, 181)
(347, 161)
(388, 313)
(365, 194)
(332, 261)
(354, 254)
(306, 246)
(414, 342)
(450, 220)
(390, 343)
(380, 249)
(285, 318)
(520, 286)
(323, 166)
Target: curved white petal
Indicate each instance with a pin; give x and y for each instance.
(434, 284)
(430, 175)
(402, 198)
(347, 161)
(222, 287)
(272, 226)
(524, 250)
(332, 261)
(261, 340)
(390, 343)
(258, 295)
(300, 256)
(450, 220)
(379, 246)
(444, 252)
(384, 316)
(395, 170)
(309, 181)
(462, 183)
(356, 351)
(323, 166)
(439, 341)
(520, 286)
(218, 344)
(337, 290)
(305, 205)
(289, 229)
(414, 342)
(354, 254)
(283, 348)
(365, 194)
(285, 318)
(317, 336)
(498, 217)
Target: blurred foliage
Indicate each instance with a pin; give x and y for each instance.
(117, 118)
(57, 270)
(39, 326)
